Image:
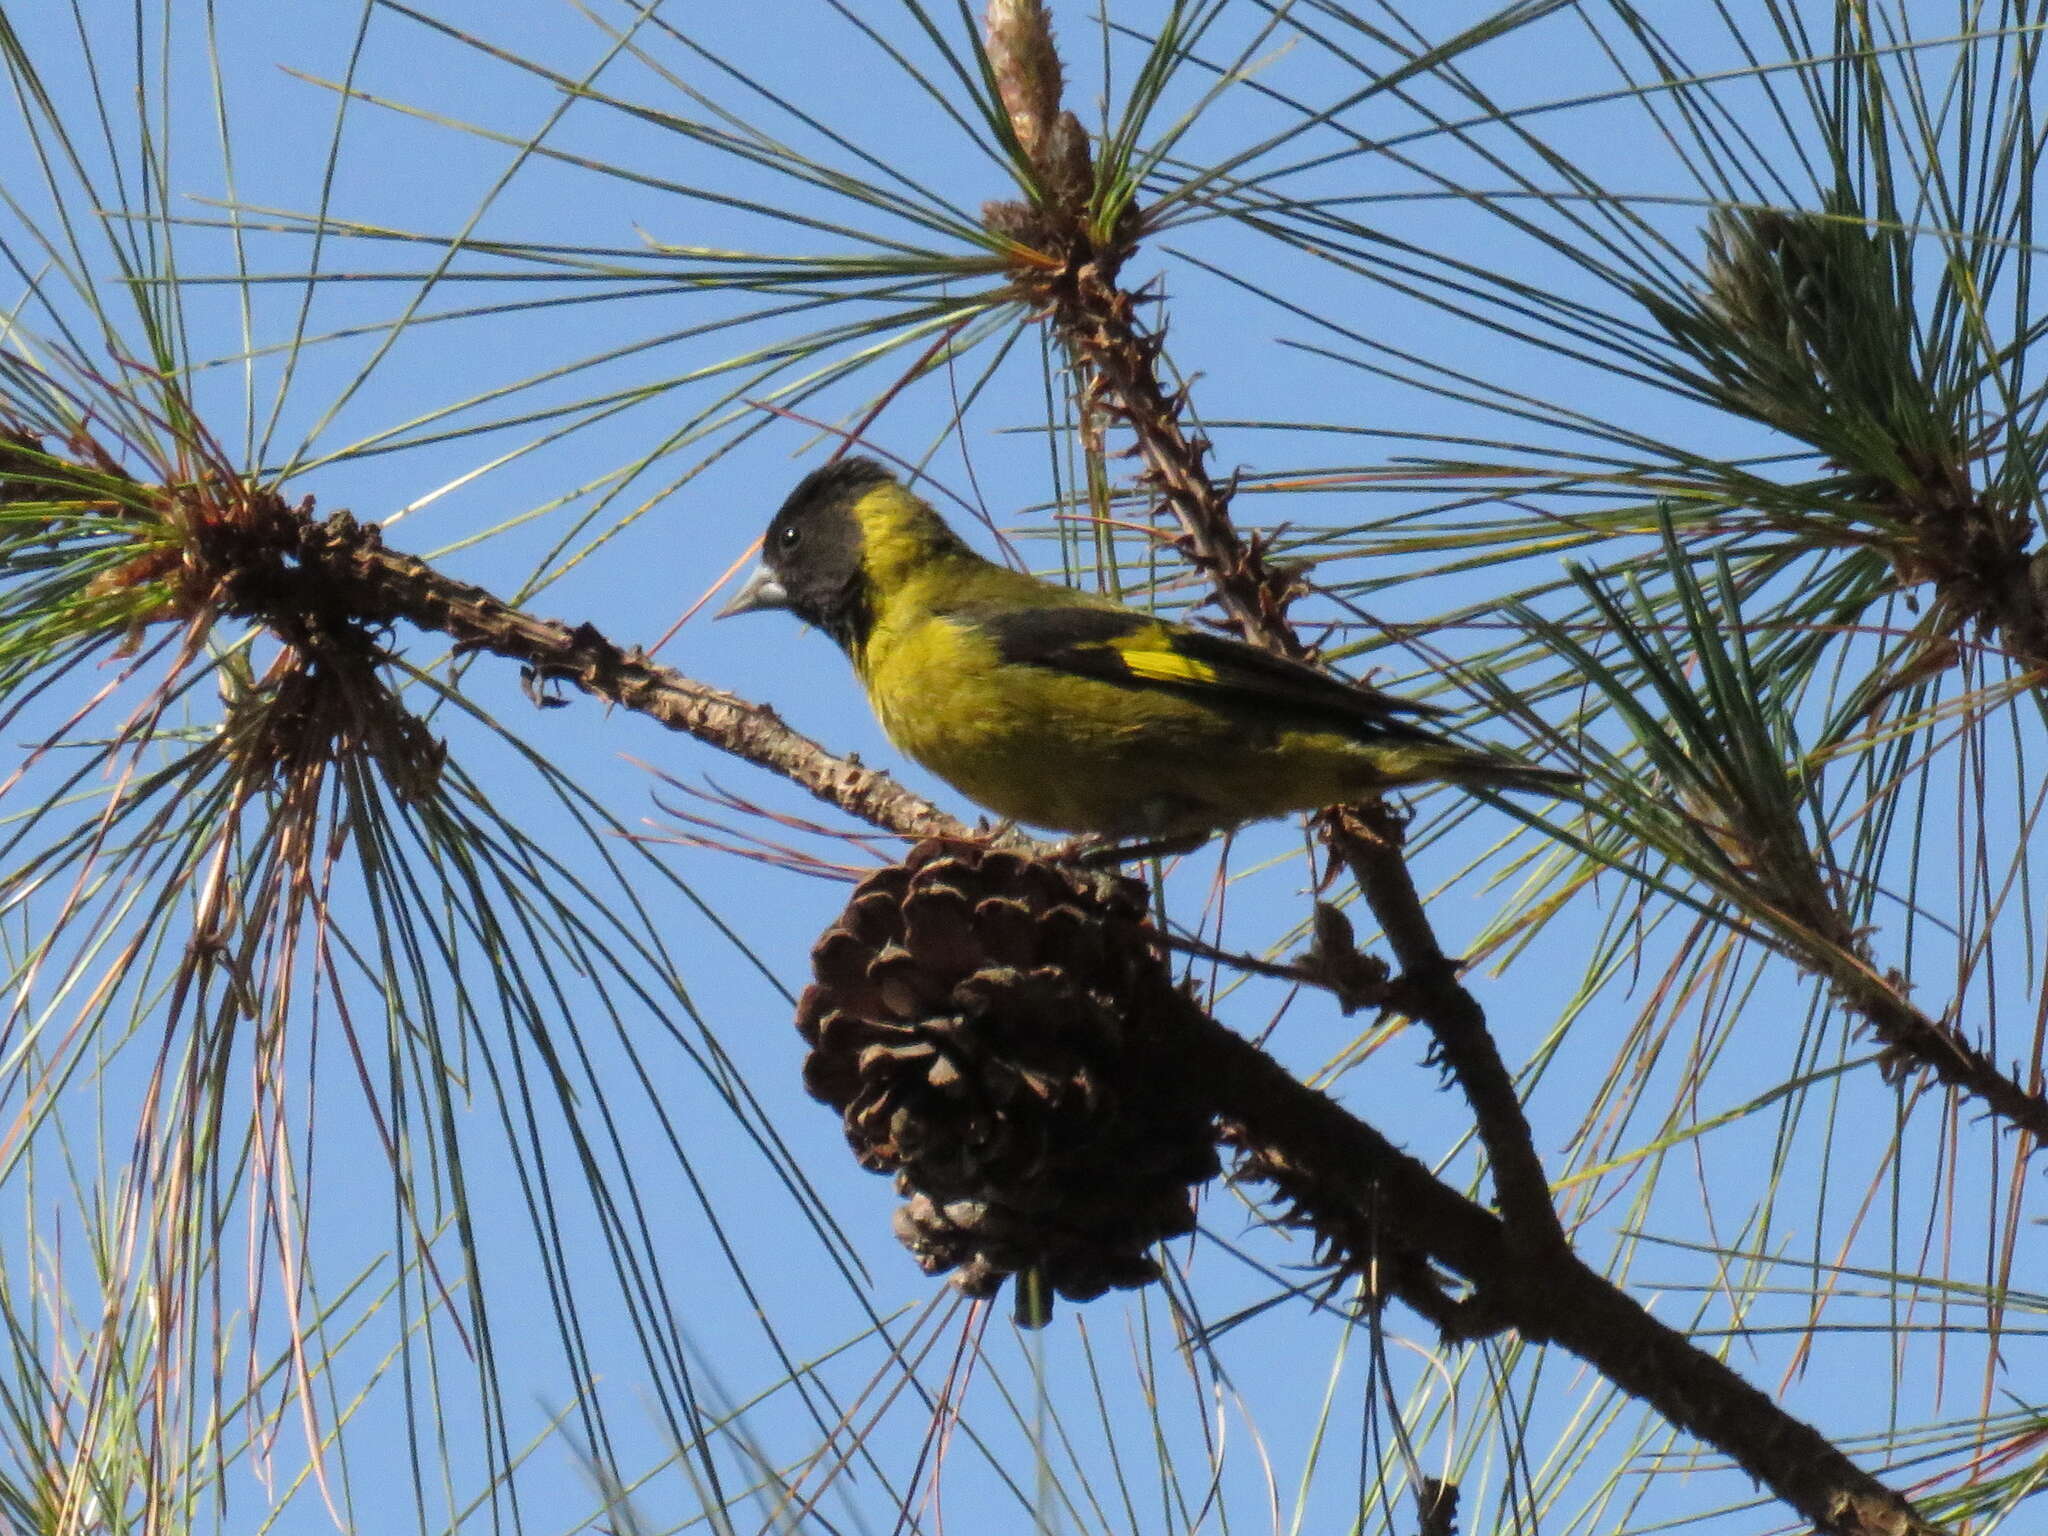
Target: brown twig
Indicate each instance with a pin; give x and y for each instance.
(1913, 1041)
(1437, 1503)
(378, 585)
(1813, 925)
(1368, 841)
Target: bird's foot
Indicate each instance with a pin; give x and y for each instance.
(1099, 852)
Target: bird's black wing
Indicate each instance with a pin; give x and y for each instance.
(1140, 651)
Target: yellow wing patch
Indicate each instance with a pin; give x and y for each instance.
(1150, 657)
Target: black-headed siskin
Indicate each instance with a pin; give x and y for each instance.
(1067, 710)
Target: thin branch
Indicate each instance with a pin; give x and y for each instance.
(377, 585)
(1911, 1039)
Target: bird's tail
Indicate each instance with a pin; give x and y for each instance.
(1482, 769)
(1490, 770)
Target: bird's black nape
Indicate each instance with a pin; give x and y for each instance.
(840, 483)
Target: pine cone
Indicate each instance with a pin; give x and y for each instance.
(998, 1037)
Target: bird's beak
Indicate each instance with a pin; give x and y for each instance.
(762, 590)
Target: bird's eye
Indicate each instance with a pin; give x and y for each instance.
(790, 537)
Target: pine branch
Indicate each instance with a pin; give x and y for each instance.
(349, 561)
(1367, 1203)
(1913, 1040)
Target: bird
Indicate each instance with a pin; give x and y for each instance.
(1069, 711)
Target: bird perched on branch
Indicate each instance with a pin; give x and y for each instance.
(1067, 710)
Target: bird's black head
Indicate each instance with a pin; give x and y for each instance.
(845, 529)
(811, 559)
